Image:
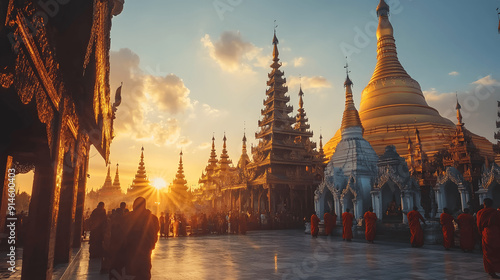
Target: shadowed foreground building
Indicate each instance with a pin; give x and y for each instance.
(49, 120)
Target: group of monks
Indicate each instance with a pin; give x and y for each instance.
(487, 222)
(347, 221)
(123, 241)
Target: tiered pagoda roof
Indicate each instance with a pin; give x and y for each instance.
(465, 156)
(284, 141)
(180, 184)
(141, 182)
(206, 177)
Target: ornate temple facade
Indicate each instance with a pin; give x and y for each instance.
(443, 164)
(393, 111)
(285, 167)
(50, 119)
(352, 169)
(393, 106)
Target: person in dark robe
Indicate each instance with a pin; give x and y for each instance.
(417, 234)
(370, 225)
(448, 229)
(347, 219)
(314, 225)
(329, 223)
(194, 224)
(97, 223)
(162, 224)
(488, 224)
(466, 225)
(117, 236)
(243, 221)
(141, 229)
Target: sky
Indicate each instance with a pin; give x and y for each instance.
(194, 69)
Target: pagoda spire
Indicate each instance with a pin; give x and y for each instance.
(224, 157)
(141, 179)
(212, 161)
(350, 117)
(459, 113)
(301, 119)
(275, 45)
(116, 181)
(180, 179)
(321, 152)
(107, 181)
(244, 159)
(179, 187)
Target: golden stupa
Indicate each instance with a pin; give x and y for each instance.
(393, 106)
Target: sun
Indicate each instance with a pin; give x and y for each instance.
(158, 183)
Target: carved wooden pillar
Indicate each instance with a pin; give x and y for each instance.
(65, 220)
(38, 254)
(252, 207)
(80, 200)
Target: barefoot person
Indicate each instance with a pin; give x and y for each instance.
(488, 223)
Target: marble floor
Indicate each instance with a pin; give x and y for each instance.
(291, 254)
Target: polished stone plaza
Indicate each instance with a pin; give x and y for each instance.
(293, 255)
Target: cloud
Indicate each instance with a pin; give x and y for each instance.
(453, 73)
(169, 92)
(233, 53)
(298, 61)
(486, 81)
(315, 82)
(204, 146)
(478, 102)
(149, 102)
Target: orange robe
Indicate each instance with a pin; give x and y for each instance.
(329, 223)
(446, 221)
(488, 223)
(347, 225)
(314, 225)
(370, 225)
(466, 225)
(417, 234)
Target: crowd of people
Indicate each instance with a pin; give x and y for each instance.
(124, 240)
(484, 225)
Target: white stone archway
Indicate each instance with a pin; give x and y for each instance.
(394, 177)
(445, 188)
(490, 185)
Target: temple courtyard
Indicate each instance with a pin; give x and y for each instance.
(291, 254)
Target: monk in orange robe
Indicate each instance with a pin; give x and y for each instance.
(446, 221)
(329, 222)
(417, 234)
(347, 219)
(314, 225)
(466, 225)
(370, 225)
(488, 223)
